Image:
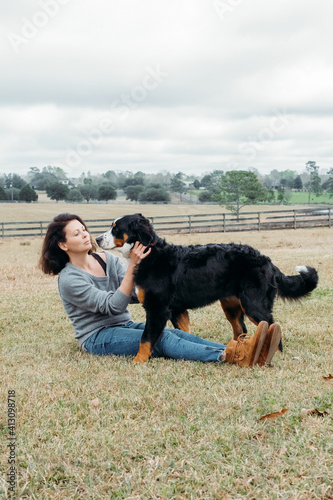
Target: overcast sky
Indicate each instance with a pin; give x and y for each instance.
(177, 85)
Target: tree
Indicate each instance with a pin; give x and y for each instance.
(33, 171)
(177, 185)
(13, 193)
(28, 194)
(154, 195)
(134, 180)
(239, 188)
(74, 196)
(163, 178)
(206, 181)
(57, 191)
(122, 179)
(278, 178)
(111, 176)
(314, 183)
(140, 178)
(211, 183)
(281, 194)
(205, 196)
(270, 196)
(3, 194)
(58, 172)
(287, 180)
(107, 192)
(48, 175)
(13, 181)
(298, 184)
(40, 179)
(88, 191)
(328, 185)
(133, 192)
(272, 180)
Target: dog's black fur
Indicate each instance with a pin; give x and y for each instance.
(175, 278)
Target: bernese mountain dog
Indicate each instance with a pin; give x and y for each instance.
(174, 278)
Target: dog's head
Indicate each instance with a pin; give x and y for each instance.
(125, 231)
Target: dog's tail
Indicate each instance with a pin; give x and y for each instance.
(298, 286)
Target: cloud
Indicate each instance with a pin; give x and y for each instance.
(179, 85)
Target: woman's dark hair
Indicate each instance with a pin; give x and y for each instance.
(53, 259)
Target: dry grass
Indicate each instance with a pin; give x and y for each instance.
(96, 428)
(22, 212)
(46, 210)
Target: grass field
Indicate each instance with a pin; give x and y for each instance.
(17, 212)
(98, 428)
(46, 210)
(304, 198)
(295, 198)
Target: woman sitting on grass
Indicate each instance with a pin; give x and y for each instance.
(95, 294)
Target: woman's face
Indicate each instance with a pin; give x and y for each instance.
(77, 238)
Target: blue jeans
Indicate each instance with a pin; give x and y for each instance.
(124, 340)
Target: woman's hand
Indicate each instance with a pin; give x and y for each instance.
(138, 253)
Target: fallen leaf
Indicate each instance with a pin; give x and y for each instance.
(313, 411)
(329, 377)
(274, 415)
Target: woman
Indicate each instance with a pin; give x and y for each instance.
(97, 288)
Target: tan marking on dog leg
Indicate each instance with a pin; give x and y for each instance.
(144, 353)
(233, 311)
(183, 321)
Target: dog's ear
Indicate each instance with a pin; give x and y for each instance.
(142, 229)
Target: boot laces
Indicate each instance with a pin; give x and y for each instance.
(243, 337)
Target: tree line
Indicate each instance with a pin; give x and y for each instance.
(233, 189)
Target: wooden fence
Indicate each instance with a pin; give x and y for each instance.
(224, 222)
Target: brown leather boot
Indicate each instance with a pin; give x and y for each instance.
(271, 345)
(245, 350)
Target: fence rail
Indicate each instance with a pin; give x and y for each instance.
(224, 222)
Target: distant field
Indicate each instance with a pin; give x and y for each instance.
(298, 197)
(45, 211)
(304, 197)
(22, 212)
(102, 428)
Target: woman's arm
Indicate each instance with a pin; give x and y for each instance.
(138, 253)
(79, 290)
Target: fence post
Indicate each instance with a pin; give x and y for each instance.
(224, 223)
(259, 221)
(189, 223)
(3, 229)
(41, 228)
(294, 219)
(329, 217)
